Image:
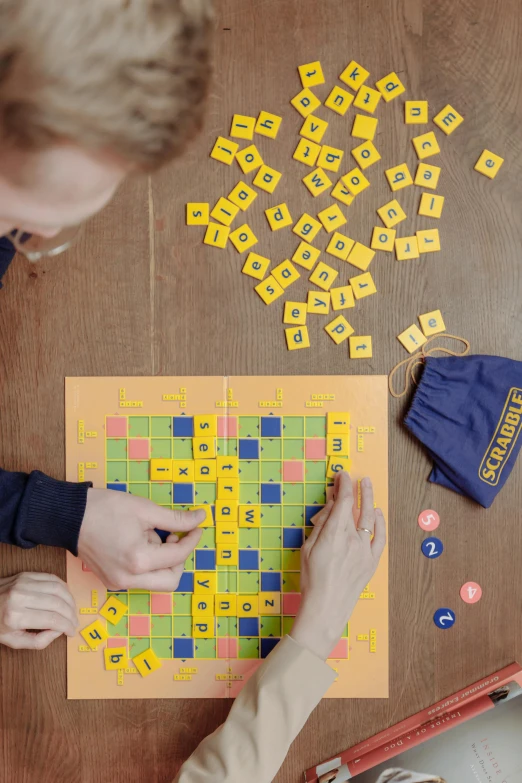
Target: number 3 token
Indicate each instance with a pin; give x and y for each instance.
(444, 618)
(429, 520)
(432, 548)
(471, 592)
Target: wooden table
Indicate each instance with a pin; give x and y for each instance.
(142, 295)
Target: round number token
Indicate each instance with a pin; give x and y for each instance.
(429, 519)
(471, 592)
(444, 618)
(432, 548)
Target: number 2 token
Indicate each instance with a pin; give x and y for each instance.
(432, 548)
(444, 618)
(471, 592)
(428, 520)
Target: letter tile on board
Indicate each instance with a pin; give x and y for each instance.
(227, 467)
(332, 217)
(249, 159)
(227, 554)
(269, 603)
(197, 214)
(391, 213)
(342, 297)
(161, 470)
(355, 181)
(412, 338)
(340, 246)
(489, 164)
(224, 211)
(285, 273)
(209, 519)
(115, 658)
(243, 238)
(256, 266)
(432, 323)
(278, 217)
(367, 99)
(217, 235)
(205, 582)
(306, 255)
(228, 488)
(339, 329)
(318, 302)
(338, 444)
(113, 610)
(305, 102)
(94, 634)
(269, 290)
(361, 347)
(204, 448)
(224, 150)
(267, 179)
(249, 516)
(317, 182)
(268, 124)
(307, 152)
(311, 74)
(383, 239)
(363, 285)
(330, 158)
(183, 471)
(448, 120)
(339, 100)
(337, 423)
(361, 256)
(203, 605)
(406, 247)
(390, 87)
(399, 177)
(342, 194)
(147, 662)
(427, 176)
(354, 75)
(203, 627)
(323, 276)
(426, 145)
(295, 313)
(313, 129)
(366, 154)
(225, 605)
(247, 605)
(416, 112)
(243, 127)
(364, 127)
(428, 240)
(335, 464)
(307, 228)
(226, 511)
(242, 196)
(431, 205)
(297, 337)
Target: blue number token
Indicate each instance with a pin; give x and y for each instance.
(444, 618)
(432, 548)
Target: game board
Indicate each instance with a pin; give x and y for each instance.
(277, 428)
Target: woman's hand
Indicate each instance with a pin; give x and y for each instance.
(35, 609)
(337, 561)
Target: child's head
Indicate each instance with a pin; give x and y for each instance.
(90, 91)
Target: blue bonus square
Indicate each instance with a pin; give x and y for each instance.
(183, 427)
(270, 582)
(248, 626)
(310, 512)
(292, 537)
(186, 583)
(183, 493)
(183, 648)
(118, 487)
(205, 559)
(271, 493)
(248, 559)
(248, 448)
(270, 426)
(267, 645)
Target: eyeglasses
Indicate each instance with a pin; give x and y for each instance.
(34, 247)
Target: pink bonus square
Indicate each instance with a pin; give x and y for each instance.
(291, 603)
(227, 647)
(139, 626)
(315, 448)
(227, 426)
(117, 641)
(116, 426)
(293, 471)
(340, 650)
(161, 604)
(139, 448)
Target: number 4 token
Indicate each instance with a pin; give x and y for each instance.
(432, 548)
(471, 592)
(444, 618)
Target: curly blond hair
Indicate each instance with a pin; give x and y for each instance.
(128, 76)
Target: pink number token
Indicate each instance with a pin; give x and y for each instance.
(429, 520)
(471, 592)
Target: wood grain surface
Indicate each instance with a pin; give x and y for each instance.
(142, 295)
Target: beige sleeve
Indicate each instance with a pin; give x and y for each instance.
(265, 719)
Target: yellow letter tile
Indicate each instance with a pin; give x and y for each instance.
(406, 247)
(203, 605)
(361, 347)
(431, 205)
(307, 228)
(115, 658)
(305, 102)
(364, 127)
(361, 256)
(205, 582)
(197, 214)
(367, 99)
(338, 444)
(489, 164)
(342, 194)
(249, 516)
(307, 152)
(428, 240)
(226, 511)
(336, 464)
(203, 627)
(339, 329)
(448, 120)
(227, 467)
(318, 302)
(278, 217)
(313, 129)
(224, 150)
(366, 154)
(323, 276)
(243, 238)
(340, 246)
(94, 634)
(183, 471)
(416, 112)
(224, 211)
(204, 448)
(225, 605)
(242, 196)
(391, 213)
(426, 145)
(243, 127)
(268, 124)
(342, 297)
(339, 100)
(399, 177)
(285, 274)
(355, 181)
(317, 182)
(247, 605)
(337, 423)
(256, 266)
(412, 338)
(354, 75)
(295, 313)
(311, 74)
(209, 519)
(205, 426)
(249, 159)
(297, 337)
(269, 290)
(227, 533)
(217, 235)
(267, 179)
(332, 218)
(161, 470)
(228, 488)
(363, 285)
(330, 158)
(390, 87)
(113, 610)
(306, 255)
(432, 323)
(227, 555)
(269, 603)
(383, 239)
(427, 176)
(147, 662)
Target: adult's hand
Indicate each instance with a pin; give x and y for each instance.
(35, 609)
(119, 543)
(337, 561)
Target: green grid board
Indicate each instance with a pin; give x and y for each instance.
(283, 469)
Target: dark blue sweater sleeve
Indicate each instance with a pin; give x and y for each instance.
(36, 509)
(7, 253)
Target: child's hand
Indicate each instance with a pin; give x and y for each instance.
(35, 602)
(337, 561)
(117, 541)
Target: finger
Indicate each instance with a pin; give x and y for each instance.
(52, 587)
(379, 539)
(166, 580)
(172, 539)
(342, 511)
(23, 640)
(51, 603)
(174, 521)
(318, 521)
(39, 620)
(170, 555)
(41, 577)
(367, 516)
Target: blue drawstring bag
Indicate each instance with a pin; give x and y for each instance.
(467, 411)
